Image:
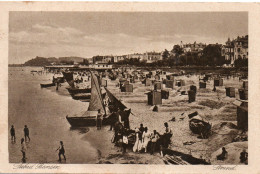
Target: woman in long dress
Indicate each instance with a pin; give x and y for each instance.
(137, 141)
(146, 138)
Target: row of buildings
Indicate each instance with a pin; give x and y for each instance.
(148, 57)
(232, 50)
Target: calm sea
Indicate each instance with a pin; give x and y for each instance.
(44, 112)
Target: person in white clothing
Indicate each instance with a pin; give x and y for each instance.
(146, 138)
(137, 141)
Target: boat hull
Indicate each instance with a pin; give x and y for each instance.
(47, 85)
(76, 91)
(85, 121)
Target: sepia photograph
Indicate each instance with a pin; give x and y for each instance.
(155, 88)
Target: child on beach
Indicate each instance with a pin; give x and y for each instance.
(61, 151)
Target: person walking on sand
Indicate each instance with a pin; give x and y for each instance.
(146, 139)
(99, 120)
(61, 151)
(23, 149)
(12, 132)
(26, 133)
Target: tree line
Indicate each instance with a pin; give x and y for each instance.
(209, 56)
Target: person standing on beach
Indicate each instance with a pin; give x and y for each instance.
(141, 128)
(167, 134)
(57, 85)
(244, 157)
(146, 139)
(12, 132)
(214, 89)
(99, 120)
(61, 151)
(125, 142)
(137, 141)
(23, 149)
(26, 133)
(154, 138)
(113, 120)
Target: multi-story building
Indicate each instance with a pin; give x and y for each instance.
(135, 56)
(195, 47)
(103, 59)
(237, 48)
(119, 58)
(241, 47)
(153, 56)
(228, 51)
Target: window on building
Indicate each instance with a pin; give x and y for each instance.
(238, 50)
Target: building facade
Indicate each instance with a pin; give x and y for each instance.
(195, 47)
(235, 49)
(153, 56)
(119, 58)
(136, 56)
(241, 47)
(103, 59)
(101, 66)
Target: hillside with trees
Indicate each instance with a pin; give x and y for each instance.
(42, 61)
(38, 61)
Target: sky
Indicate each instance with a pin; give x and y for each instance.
(86, 34)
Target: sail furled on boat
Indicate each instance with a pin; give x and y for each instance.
(69, 78)
(115, 101)
(96, 100)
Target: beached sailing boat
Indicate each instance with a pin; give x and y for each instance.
(73, 90)
(96, 102)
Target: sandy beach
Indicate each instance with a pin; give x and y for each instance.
(215, 107)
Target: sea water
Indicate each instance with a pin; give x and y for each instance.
(44, 111)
